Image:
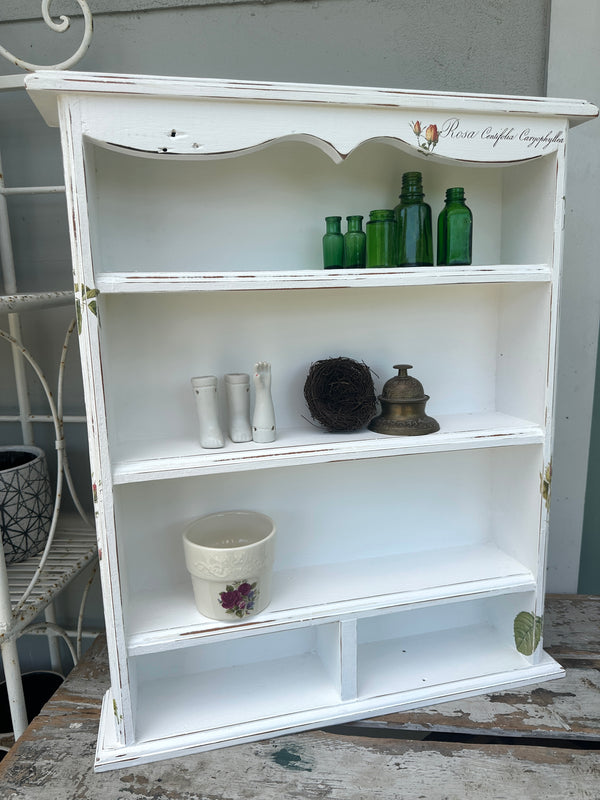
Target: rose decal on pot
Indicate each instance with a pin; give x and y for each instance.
(430, 137)
(239, 598)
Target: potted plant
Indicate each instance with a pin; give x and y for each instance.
(26, 501)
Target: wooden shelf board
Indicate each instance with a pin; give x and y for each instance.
(149, 460)
(164, 619)
(144, 282)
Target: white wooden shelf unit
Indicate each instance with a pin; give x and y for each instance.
(402, 563)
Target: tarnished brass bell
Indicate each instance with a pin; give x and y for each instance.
(403, 407)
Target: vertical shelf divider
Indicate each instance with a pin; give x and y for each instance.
(348, 659)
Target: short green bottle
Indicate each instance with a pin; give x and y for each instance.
(381, 239)
(333, 244)
(355, 243)
(455, 230)
(413, 224)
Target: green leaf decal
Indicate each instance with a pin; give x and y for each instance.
(85, 298)
(528, 632)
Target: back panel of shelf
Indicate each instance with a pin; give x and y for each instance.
(265, 210)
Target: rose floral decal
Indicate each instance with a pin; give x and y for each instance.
(239, 598)
(431, 136)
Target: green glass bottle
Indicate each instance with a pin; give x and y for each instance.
(455, 230)
(381, 239)
(413, 224)
(355, 243)
(333, 244)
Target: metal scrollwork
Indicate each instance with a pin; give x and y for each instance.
(60, 26)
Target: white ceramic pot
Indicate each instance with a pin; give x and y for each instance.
(26, 501)
(230, 558)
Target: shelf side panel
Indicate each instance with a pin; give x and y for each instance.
(75, 167)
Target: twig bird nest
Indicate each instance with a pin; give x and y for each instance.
(340, 394)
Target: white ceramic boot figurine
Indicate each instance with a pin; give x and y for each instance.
(205, 392)
(263, 421)
(237, 388)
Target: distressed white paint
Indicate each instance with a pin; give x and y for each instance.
(421, 559)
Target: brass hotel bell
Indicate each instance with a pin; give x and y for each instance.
(403, 407)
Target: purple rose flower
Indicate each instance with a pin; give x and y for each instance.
(244, 588)
(230, 599)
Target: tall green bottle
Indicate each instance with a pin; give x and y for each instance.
(455, 230)
(333, 244)
(355, 243)
(413, 224)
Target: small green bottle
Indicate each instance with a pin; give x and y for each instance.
(333, 244)
(413, 224)
(381, 239)
(455, 230)
(355, 243)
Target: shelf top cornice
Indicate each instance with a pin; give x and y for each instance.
(45, 86)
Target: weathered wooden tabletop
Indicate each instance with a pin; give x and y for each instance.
(542, 743)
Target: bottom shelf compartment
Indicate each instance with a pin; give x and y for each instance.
(411, 651)
(236, 681)
(238, 685)
(242, 688)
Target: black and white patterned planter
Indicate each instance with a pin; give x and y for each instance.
(26, 501)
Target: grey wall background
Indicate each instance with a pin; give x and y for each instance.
(574, 70)
(472, 45)
(498, 46)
